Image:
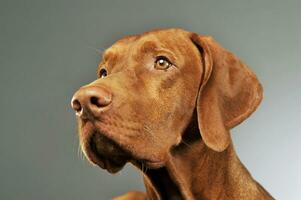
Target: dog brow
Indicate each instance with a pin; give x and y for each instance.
(148, 46)
(108, 54)
(152, 47)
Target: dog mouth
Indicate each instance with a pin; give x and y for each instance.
(105, 153)
(101, 150)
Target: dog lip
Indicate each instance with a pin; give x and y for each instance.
(112, 167)
(105, 163)
(93, 158)
(152, 164)
(112, 163)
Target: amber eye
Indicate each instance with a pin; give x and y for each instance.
(162, 63)
(103, 73)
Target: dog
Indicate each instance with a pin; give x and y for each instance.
(165, 101)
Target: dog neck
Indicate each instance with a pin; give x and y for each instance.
(193, 171)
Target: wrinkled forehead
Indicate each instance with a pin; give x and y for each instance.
(173, 42)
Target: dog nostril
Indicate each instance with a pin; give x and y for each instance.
(100, 101)
(95, 101)
(76, 105)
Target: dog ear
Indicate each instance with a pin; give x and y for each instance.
(229, 93)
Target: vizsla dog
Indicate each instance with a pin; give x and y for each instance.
(165, 101)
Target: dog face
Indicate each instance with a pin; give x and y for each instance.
(147, 89)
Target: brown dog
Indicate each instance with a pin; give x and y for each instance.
(165, 101)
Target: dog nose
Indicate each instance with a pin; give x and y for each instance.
(90, 100)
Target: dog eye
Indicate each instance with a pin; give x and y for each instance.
(103, 73)
(162, 63)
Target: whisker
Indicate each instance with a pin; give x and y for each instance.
(99, 51)
(80, 152)
(188, 145)
(142, 167)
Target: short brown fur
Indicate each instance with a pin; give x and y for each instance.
(172, 124)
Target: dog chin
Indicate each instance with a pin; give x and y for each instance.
(104, 153)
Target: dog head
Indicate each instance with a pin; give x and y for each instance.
(147, 90)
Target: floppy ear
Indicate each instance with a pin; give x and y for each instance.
(228, 94)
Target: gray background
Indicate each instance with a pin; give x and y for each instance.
(50, 48)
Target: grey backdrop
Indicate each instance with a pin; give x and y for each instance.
(50, 48)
